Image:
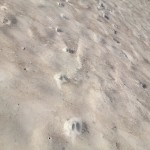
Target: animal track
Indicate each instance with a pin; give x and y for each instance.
(23, 48)
(116, 40)
(9, 20)
(105, 15)
(63, 16)
(3, 8)
(100, 6)
(61, 79)
(6, 21)
(58, 29)
(60, 4)
(74, 127)
(144, 86)
(69, 50)
(115, 32)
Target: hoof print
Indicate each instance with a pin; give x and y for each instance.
(74, 127)
(116, 40)
(69, 50)
(58, 29)
(60, 4)
(61, 79)
(9, 20)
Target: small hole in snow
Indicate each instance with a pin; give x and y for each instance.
(78, 126)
